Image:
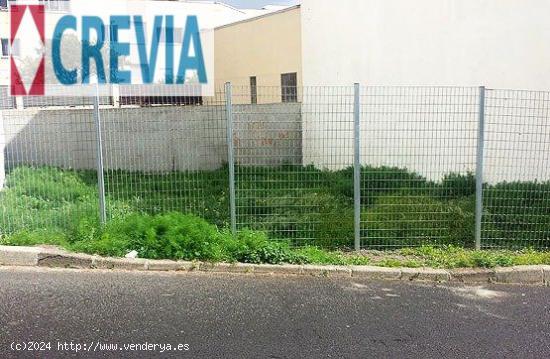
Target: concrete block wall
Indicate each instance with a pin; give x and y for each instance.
(152, 139)
(164, 139)
(268, 135)
(61, 138)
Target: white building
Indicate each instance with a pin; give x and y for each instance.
(501, 44)
(496, 43)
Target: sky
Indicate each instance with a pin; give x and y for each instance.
(256, 4)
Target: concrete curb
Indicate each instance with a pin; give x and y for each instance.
(56, 258)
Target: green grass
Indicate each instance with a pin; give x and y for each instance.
(448, 257)
(185, 237)
(455, 257)
(298, 206)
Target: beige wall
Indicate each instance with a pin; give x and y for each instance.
(264, 47)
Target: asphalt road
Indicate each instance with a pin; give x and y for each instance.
(223, 316)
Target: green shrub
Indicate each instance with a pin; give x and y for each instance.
(404, 220)
(22, 212)
(51, 185)
(184, 237)
(319, 256)
(337, 183)
(270, 253)
(383, 181)
(456, 185)
(306, 218)
(532, 257)
(332, 222)
(36, 237)
(172, 235)
(203, 193)
(519, 213)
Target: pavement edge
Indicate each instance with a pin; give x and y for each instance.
(57, 258)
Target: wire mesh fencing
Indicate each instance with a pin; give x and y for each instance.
(48, 170)
(517, 170)
(338, 167)
(290, 161)
(418, 151)
(165, 158)
(6, 101)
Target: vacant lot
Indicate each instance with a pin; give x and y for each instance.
(304, 205)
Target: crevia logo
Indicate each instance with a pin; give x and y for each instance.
(36, 13)
(68, 44)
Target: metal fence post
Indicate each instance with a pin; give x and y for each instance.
(100, 173)
(357, 166)
(231, 155)
(479, 166)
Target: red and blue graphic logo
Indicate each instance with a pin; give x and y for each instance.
(18, 85)
(54, 48)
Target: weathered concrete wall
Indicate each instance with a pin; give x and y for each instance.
(164, 138)
(152, 139)
(63, 138)
(268, 135)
